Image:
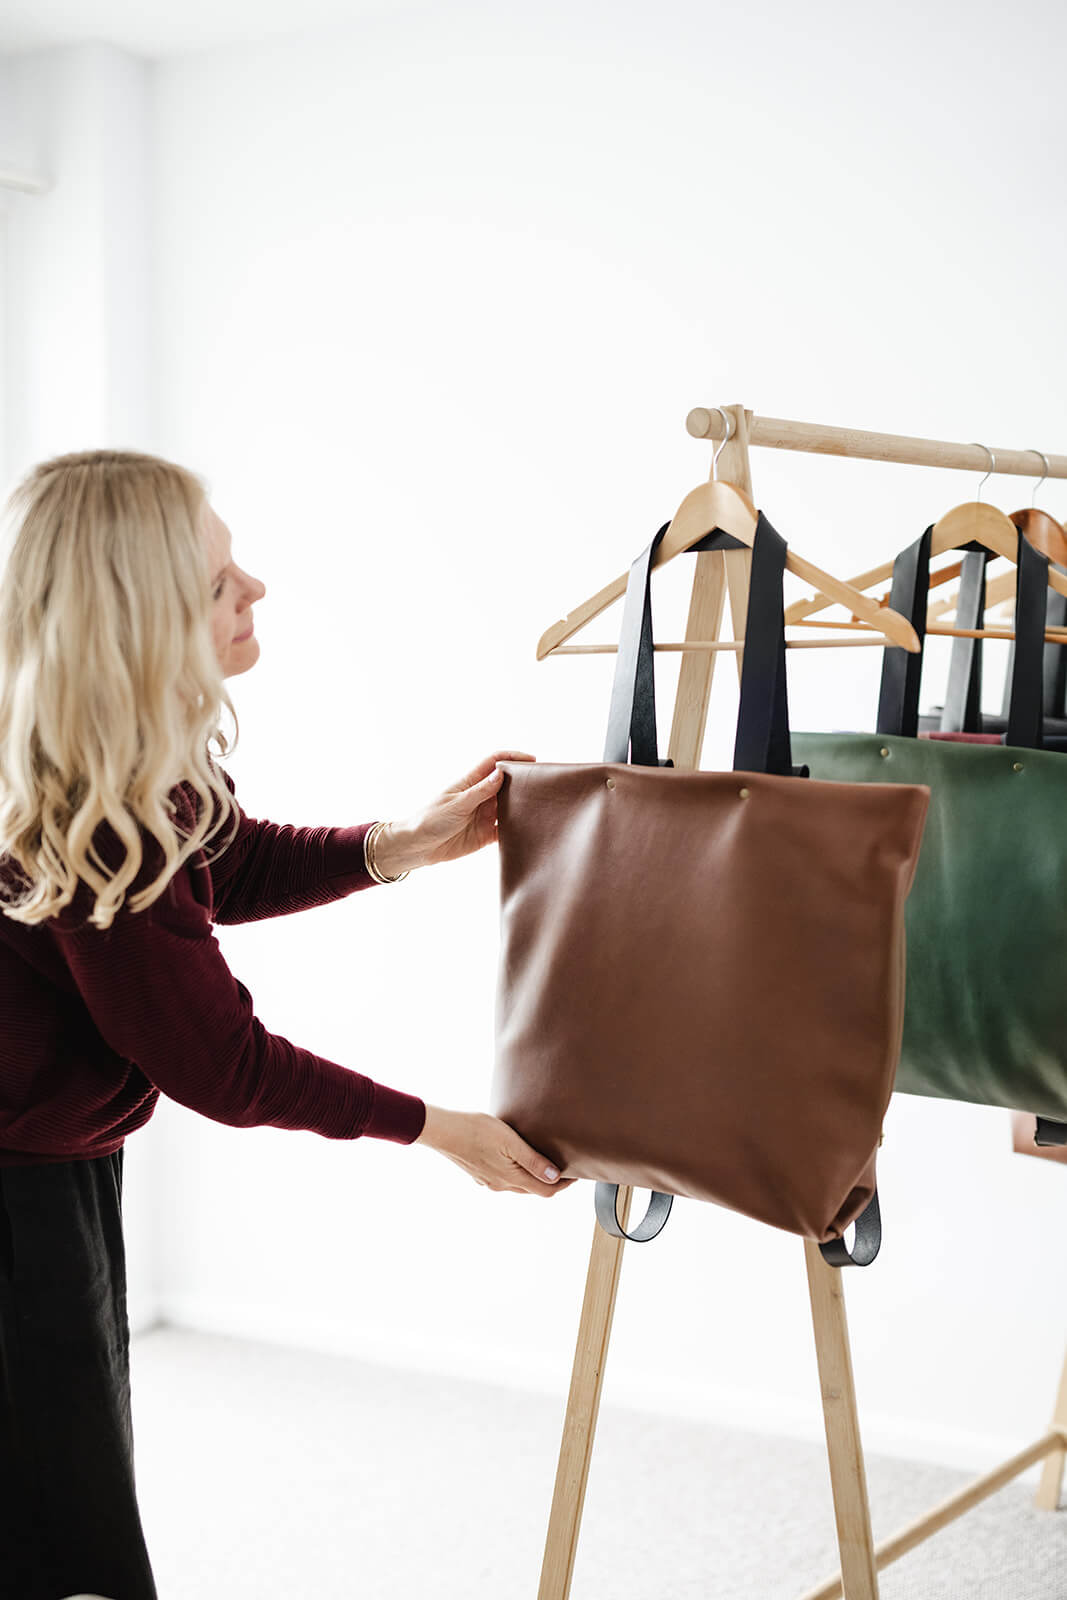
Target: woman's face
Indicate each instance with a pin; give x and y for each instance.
(233, 592)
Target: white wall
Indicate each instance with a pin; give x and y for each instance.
(79, 328)
(77, 334)
(432, 298)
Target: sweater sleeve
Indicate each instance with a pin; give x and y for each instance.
(272, 868)
(161, 994)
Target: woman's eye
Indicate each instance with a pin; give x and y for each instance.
(220, 588)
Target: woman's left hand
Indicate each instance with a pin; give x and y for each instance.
(461, 820)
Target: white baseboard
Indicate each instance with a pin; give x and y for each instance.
(899, 1438)
(142, 1313)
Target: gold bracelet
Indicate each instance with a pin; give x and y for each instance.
(369, 841)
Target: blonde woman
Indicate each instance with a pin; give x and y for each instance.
(122, 610)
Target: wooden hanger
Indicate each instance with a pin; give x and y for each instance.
(973, 522)
(717, 506)
(998, 589)
(1043, 532)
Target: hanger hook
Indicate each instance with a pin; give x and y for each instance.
(992, 465)
(727, 422)
(1032, 452)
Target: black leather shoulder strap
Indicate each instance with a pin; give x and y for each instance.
(631, 734)
(898, 698)
(1026, 721)
(762, 743)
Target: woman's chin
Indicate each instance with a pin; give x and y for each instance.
(242, 655)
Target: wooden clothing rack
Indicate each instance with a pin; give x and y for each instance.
(716, 575)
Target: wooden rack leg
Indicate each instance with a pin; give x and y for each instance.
(848, 1477)
(1048, 1493)
(583, 1406)
(957, 1505)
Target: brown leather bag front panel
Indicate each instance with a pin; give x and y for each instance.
(703, 993)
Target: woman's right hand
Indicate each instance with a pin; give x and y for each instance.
(490, 1151)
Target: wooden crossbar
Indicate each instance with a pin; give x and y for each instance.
(820, 439)
(965, 1500)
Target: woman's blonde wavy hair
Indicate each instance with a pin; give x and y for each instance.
(110, 686)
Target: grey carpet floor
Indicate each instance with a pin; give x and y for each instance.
(271, 1474)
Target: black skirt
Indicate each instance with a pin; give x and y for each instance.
(69, 1521)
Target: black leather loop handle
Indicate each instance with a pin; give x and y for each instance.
(898, 700)
(607, 1200)
(868, 1240)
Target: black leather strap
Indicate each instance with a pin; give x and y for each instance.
(868, 1240)
(1050, 1133)
(762, 742)
(1054, 673)
(1054, 668)
(631, 732)
(898, 701)
(1026, 722)
(898, 698)
(659, 1209)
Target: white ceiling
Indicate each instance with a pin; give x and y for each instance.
(165, 27)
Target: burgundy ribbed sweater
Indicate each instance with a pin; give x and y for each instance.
(95, 1023)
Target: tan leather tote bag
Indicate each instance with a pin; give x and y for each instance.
(701, 977)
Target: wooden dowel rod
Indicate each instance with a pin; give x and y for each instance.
(1052, 635)
(777, 434)
(723, 644)
(916, 1532)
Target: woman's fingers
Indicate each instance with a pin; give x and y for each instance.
(492, 1152)
(484, 768)
(472, 794)
(530, 1162)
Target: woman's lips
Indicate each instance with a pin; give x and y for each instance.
(247, 635)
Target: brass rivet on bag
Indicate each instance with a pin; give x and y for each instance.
(611, 783)
(883, 751)
(744, 793)
(1016, 766)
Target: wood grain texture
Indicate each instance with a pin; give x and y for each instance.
(848, 1476)
(1051, 1485)
(777, 433)
(583, 1407)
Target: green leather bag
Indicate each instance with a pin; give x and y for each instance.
(984, 1016)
